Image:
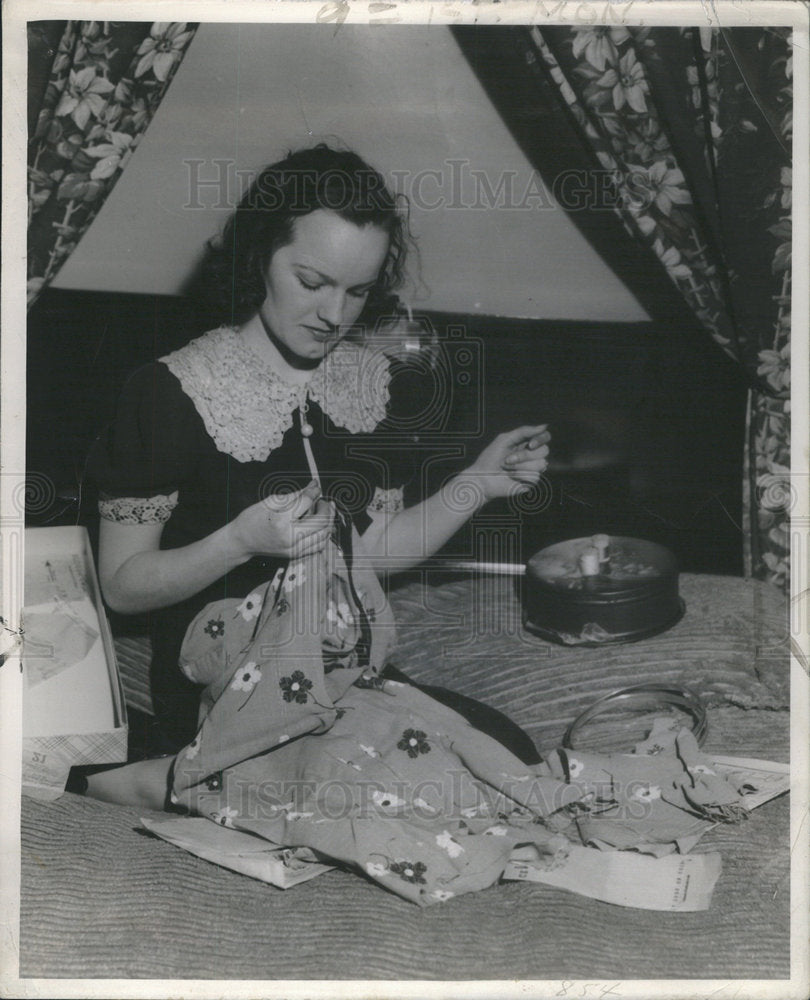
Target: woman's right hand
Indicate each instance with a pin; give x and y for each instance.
(284, 525)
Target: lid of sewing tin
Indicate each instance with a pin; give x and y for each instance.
(634, 568)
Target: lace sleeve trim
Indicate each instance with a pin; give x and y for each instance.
(138, 510)
(386, 501)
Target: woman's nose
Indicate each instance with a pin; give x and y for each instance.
(331, 307)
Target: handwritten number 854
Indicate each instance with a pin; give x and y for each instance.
(586, 989)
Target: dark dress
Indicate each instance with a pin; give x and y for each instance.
(174, 455)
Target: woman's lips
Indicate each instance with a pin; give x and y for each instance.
(320, 334)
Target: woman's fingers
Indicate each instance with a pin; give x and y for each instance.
(521, 455)
(526, 475)
(293, 505)
(309, 544)
(538, 440)
(526, 444)
(311, 528)
(307, 499)
(522, 434)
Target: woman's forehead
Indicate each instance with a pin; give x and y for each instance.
(336, 246)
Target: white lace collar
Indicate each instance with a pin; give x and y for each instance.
(247, 407)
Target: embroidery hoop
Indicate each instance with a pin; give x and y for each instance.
(644, 696)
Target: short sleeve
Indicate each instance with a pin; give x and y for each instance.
(142, 460)
(393, 473)
(386, 501)
(397, 441)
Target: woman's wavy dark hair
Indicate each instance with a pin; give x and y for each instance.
(232, 274)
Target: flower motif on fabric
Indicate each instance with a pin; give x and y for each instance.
(162, 49)
(414, 742)
(386, 799)
(295, 687)
(376, 870)
(85, 95)
(251, 607)
(599, 45)
(193, 748)
(627, 83)
(282, 607)
(215, 628)
(350, 763)
(575, 767)
(111, 155)
(446, 842)
(293, 814)
(441, 895)
(214, 782)
(648, 793)
(224, 816)
(409, 871)
(247, 677)
(340, 616)
(296, 577)
(496, 831)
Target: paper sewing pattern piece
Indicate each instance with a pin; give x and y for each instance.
(55, 639)
(765, 778)
(676, 883)
(241, 852)
(55, 579)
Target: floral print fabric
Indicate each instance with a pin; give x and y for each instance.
(660, 799)
(102, 89)
(692, 128)
(303, 744)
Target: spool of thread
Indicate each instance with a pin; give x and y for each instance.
(589, 562)
(602, 544)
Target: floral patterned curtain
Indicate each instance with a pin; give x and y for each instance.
(690, 129)
(94, 87)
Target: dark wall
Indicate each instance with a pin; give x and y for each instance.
(647, 424)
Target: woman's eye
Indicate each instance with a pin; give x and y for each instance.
(360, 295)
(308, 286)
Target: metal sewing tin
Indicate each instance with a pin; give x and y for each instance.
(637, 598)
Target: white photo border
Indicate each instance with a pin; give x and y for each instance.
(724, 13)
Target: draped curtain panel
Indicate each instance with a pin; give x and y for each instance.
(94, 87)
(688, 133)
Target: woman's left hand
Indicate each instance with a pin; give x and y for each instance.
(519, 456)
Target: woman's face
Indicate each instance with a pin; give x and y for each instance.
(317, 284)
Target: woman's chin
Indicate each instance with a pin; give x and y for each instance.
(311, 356)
